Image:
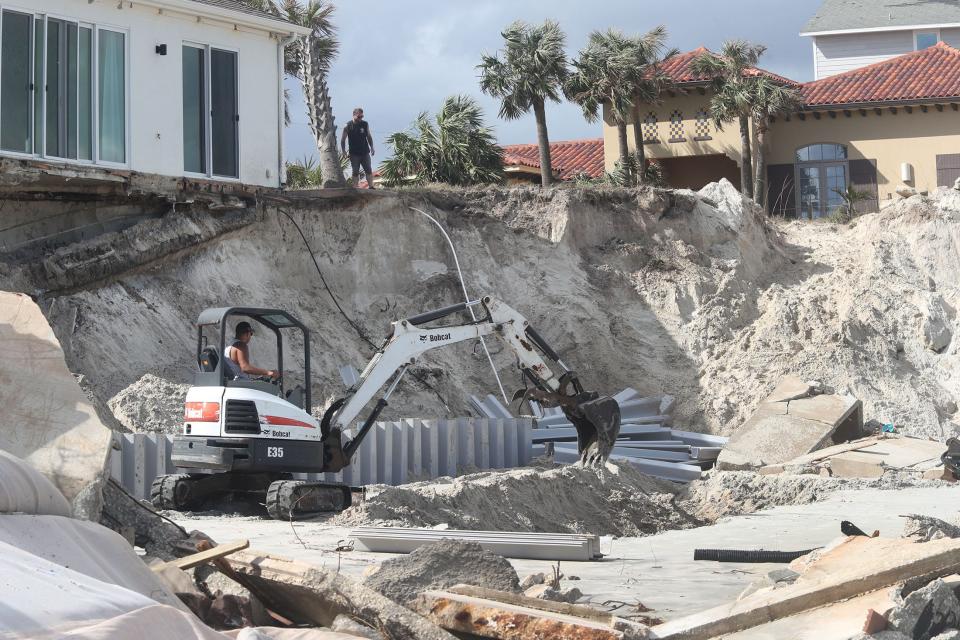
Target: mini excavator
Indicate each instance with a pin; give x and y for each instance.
(243, 435)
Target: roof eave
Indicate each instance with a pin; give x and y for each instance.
(878, 103)
(229, 15)
(904, 27)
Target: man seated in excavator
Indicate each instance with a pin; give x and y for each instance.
(237, 356)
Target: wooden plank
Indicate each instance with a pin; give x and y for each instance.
(857, 566)
(219, 551)
(577, 610)
(491, 619)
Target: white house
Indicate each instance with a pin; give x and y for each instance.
(851, 34)
(171, 87)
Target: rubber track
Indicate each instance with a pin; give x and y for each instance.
(163, 491)
(283, 494)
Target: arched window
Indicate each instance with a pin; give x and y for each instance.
(702, 131)
(822, 175)
(676, 126)
(650, 128)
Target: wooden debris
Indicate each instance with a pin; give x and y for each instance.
(858, 566)
(492, 618)
(205, 556)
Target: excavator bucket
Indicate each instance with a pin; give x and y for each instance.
(598, 424)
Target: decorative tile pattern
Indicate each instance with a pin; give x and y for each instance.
(650, 128)
(676, 126)
(702, 126)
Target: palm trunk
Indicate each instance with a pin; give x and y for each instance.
(746, 165)
(322, 124)
(760, 183)
(543, 141)
(624, 149)
(638, 144)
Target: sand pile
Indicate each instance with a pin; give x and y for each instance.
(617, 500)
(151, 405)
(442, 565)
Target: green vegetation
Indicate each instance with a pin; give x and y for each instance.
(455, 148)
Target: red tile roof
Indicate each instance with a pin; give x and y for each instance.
(929, 74)
(568, 158)
(678, 68)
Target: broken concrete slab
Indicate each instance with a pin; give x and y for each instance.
(309, 594)
(486, 618)
(926, 612)
(789, 423)
(47, 420)
(884, 454)
(856, 566)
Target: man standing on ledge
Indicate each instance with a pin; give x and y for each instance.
(361, 147)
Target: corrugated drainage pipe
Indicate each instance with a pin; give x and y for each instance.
(746, 555)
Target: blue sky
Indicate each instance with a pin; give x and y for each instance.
(400, 57)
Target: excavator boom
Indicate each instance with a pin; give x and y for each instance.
(596, 418)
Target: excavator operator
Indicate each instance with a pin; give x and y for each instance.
(237, 356)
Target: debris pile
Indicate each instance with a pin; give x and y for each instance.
(440, 565)
(151, 404)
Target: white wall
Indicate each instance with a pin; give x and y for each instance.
(838, 53)
(951, 37)
(155, 118)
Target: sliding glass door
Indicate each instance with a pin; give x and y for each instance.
(111, 92)
(49, 105)
(16, 84)
(211, 142)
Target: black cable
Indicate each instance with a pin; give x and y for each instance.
(746, 555)
(353, 324)
(147, 509)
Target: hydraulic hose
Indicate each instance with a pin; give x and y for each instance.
(748, 555)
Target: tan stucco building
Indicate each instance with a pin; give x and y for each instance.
(892, 123)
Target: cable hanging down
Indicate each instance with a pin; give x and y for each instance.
(350, 321)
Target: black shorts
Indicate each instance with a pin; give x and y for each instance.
(356, 161)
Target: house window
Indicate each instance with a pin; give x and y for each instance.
(702, 127)
(925, 39)
(822, 175)
(51, 105)
(650, 128)
(676, 126)
(210, 134)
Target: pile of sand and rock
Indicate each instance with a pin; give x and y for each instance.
(613, 500)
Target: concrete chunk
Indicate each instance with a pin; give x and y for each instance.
(308, 594)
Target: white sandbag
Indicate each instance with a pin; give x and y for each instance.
(87, 548)
(23, 489)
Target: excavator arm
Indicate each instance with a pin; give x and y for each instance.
(596, 418)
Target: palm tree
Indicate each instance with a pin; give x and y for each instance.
(648, 84)
(455, 148)
(770, 99)
(733, 94)
(309, 59)
(532, 71)
(602, 75)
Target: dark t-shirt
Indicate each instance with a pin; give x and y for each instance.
(357, 137)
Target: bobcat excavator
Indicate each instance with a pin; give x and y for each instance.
(250, 435)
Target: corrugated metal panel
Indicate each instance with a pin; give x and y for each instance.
(393, 453)
(840, 53)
